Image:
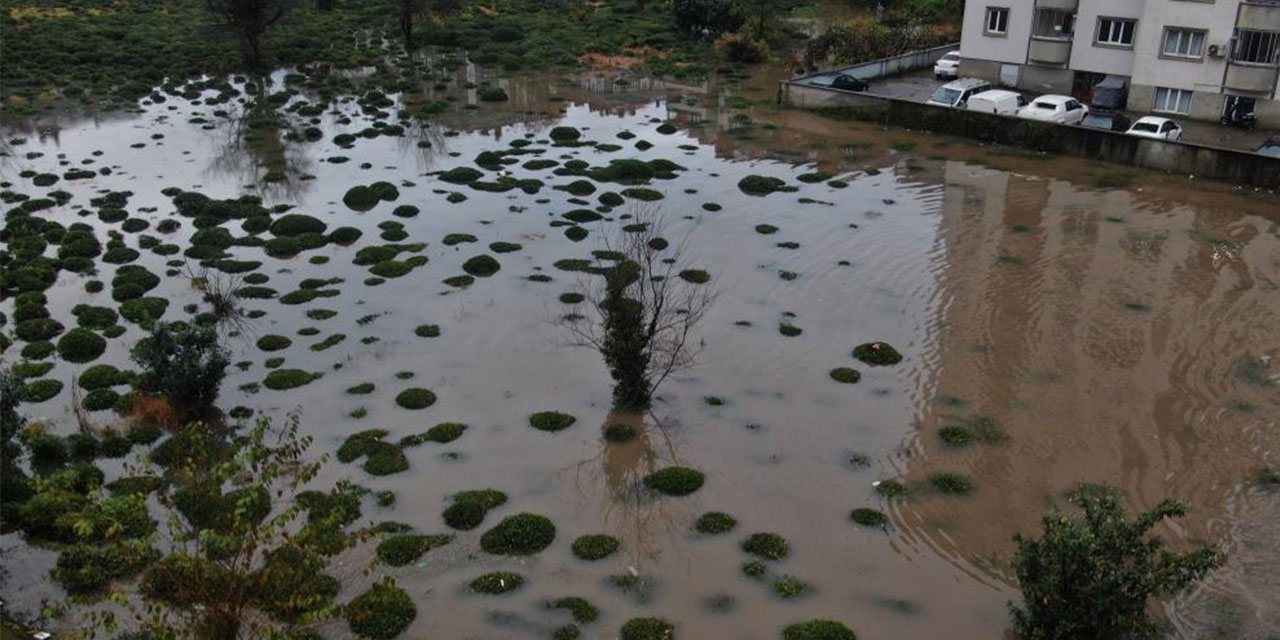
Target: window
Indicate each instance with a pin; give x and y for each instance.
(1054, 23)
(1172, 100)
(997, 20)
(1258, 47)
(1183, 42)
(1116, 31)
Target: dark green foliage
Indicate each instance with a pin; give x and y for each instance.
(951, 483)
(551, 421)
(714, 522)
(498, 582)
(37, 329)
(453, 239)
(144, 311)
(869, 517)
(91, 317)
(1092, 576)
(380, 613)
(100, 400)
(442, 433)
(890, 488)
(583, 612)
(754, 185)
(846, 375)
(461, 175)
(295, 224)
(361, 389)
(359, 444)
(818, 630)
(504, 247)
(696, 276)
(405, 211)
(564, 134)
(481, 266)
(641, 193)
(769, 546)
(648, 629)
(360, 198)
(415, 398)
(41, 390)
(520, 534)
(877, 354)
(271, 342)
(385, 459)
(282, 379)
(595, 547)
(469, 507)
(766, 229)
(675, 481)
(185, 363)
(618, 432)
(345, 235)
(85, 568)
(400, 550)
(566, 632)
(788, 587)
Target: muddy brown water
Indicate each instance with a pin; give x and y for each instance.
(1119, 335)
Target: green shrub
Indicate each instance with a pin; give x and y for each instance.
(846, 375)
(583, 612)
(345, 235)
(461, 175)
(769, 546)
(185, 363)
(714, 523)
(675, 481)
(595, 547)
(295, 224)
(564, 134)
(551, 421)
(282, 379)
(1093, 576)
(40, 390)
(360, 198)
(498, 582)
(415, 398)
(877, 354)
(754, 185)
(271, 342)
(619, 432)
(401, 550)
(818, 630)
(442, 433)
(951, 483)
(648, 629)
(380, 613)
(481, 266)
(520, 534)
(869, 517)
(91, 317)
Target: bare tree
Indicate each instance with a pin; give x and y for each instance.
(249, 20)
(646, 305)
(409, 11)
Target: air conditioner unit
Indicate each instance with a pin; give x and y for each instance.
(1217, 50)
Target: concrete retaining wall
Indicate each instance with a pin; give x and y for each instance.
(1237, 167)
(922, 59)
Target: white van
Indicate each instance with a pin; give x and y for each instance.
(997, 101)
(957, 92)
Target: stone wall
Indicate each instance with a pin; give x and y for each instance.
(1238, 167)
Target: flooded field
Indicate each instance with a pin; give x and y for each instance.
(1060, 322)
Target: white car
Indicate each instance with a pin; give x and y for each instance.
(1054, 108)
(948, 66)
(956, 93)
(1154, 127)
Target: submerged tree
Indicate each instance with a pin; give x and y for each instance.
(245, 553)
(1092, 577)
(410, 11)
(249, 20)
(185, 363)
(646, 306)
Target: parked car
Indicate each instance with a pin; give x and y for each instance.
(1270, 147)
(1106, 120)
(997, 101)
(1055, 108)
(948, 66)
(849, 83)
(1155, 127)
(957, 92)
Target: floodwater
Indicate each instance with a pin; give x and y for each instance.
(1121, 335)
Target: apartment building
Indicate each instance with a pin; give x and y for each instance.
(1186, 58)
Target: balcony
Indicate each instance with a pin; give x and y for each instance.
(1063, 5)
(1259, 16)
(1049, 50)
(1252, 78)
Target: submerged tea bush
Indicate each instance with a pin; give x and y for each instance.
(380, 613)
(620, 432)
(648, 629)
(845, 375)
(583, 612)
(869, 517)
(481, 266)
(498, 582)
(469, 508)
(714, 523)
(400, 550)
(416, 398)
(818, 630)
(551, 421)
(520, 534)
(769, 546)
(877, 354)
(675, 481)
(951, 483)
(595, 547)
(81, 345)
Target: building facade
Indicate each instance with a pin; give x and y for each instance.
(1199, 59)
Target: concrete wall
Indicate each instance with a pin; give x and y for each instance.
(1045, 79)
(923, 59)
(1237, 167)
(1087, 55)
(1012, 47)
